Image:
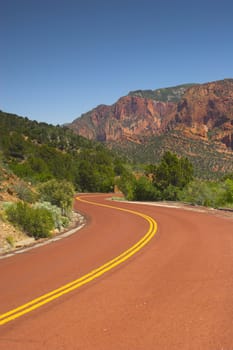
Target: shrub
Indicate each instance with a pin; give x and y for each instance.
(197, 192)
(58, 220)
(143, 189)
(206, 193)
(24, 192)
(170, 193)
(125, 183)
(228, 193)
(59, 193)
(36, 222)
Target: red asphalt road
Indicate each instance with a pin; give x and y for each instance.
(176, 293)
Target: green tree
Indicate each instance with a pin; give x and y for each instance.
(16, 146)
(95, 170)
(126, 183)
(171, 175)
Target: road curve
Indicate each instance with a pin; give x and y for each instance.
(175, 293)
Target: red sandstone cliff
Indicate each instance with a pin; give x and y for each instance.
(205, 111)
(130, 117)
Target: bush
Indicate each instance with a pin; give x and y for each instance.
(143, 189)
(228, 191)
(58, 220)
(197, 192)
(208, 193)
(36, 222)
(125, 183)
(59, 193)
(170, 193)
(24, 192)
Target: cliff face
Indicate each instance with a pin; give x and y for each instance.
(130, 117)
(206, 111)
(202, 111)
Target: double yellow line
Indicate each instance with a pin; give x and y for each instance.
(46, 298)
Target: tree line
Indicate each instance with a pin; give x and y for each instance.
(173, 179)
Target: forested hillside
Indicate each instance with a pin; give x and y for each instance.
(41, 168)
(38, 152)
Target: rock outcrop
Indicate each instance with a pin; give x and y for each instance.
(203, 111)
(129, 118)
(206, 111)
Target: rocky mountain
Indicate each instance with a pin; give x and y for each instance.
(129, 118)
(201, 113)
(171, 94)
(206, 111)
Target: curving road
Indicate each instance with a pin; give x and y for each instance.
(176, 292)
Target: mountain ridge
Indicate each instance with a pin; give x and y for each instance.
(136, 115)
(168, 94)
(201, 113)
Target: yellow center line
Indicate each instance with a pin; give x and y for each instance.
(46, 298)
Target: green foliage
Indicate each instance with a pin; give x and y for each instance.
(16, 131)
(208, 193)
(125, 183)
(38, 152)
(227, 195)
(119, 167)
(208, 161)
(228, 176)
(59, 220)
(59, 193)
(57, 164)
(36, 222)
(96, 170)
(171, 175)
(15, 145)
(24, 192)
(140, 189)
(143, 190)
(170, 193)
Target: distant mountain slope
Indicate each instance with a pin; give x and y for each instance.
(201, 113)
(129, 118)
(210, 159)
(171, 94)
(38, 152)
(39, 133)
(206, 111)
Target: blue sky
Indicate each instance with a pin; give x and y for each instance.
(61, 58)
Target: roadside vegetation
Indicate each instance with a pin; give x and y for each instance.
(173, 180)
(41, 211)
(43, 166)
